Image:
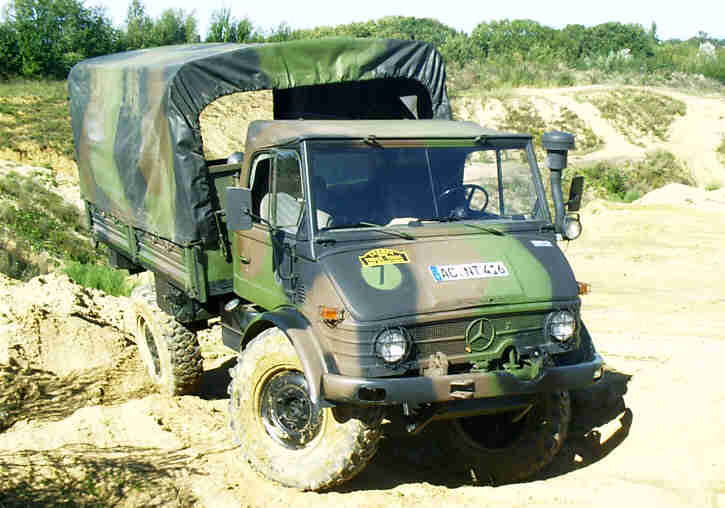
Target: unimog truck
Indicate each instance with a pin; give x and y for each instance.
(368, 257)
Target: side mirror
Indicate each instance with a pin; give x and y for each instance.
(575, 194)
(238, 208)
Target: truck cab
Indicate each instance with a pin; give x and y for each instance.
(421, 256)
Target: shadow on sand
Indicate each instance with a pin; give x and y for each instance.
(404, 459)
(215, 381)
(85, 475)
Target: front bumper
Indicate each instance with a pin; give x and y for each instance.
(422, 389)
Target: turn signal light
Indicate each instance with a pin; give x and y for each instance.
(584, 288)
(331, 313)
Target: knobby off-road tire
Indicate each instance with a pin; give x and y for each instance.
(281, 434)
(168, 349)
(501, 451)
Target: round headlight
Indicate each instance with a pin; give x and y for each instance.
(572, 228)
(561, 325)
(392, 345)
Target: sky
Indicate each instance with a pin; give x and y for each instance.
(680, 20)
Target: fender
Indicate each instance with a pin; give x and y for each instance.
(300, 334)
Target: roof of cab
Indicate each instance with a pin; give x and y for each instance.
(267, 133)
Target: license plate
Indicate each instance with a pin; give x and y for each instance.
(445, 273)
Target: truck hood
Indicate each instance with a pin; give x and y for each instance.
(448, 273)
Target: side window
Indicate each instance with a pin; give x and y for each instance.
(288, 201)
(260, 184)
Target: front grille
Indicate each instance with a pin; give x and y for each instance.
(439, 330)
(449, 337)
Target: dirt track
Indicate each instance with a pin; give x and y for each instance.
(655, 313)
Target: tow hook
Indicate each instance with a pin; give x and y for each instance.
(526, 369)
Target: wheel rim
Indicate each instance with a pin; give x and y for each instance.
(492, 432)
(155, 360)
(288, 414)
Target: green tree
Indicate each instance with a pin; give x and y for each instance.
(9, 51)
(613, 37)
(225, 28)
(571, 41)
(508, 37)
(174, 26)
(52, 35)
(139, 26)
(283, 32)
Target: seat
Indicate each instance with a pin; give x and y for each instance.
(288, 211)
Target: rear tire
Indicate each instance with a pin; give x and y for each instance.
(499, 450)
(169, 350)
(282, 434)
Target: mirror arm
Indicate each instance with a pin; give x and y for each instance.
(264, 221)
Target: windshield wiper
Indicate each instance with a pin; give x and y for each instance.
(479, 227)
(376, 227)
(486, 229)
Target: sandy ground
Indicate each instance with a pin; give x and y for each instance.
(655, 312)
(79, 421)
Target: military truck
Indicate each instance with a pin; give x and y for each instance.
(368, 257)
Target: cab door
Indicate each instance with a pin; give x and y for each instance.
(263, 256)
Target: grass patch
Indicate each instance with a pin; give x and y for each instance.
(35, 125)
(98, 276)
(636, 113)
(38, 228)
(40, 220)
(508, 71)
(721, 149)
(586, 140)
(522, 116)
(632, 180)
(43, 229)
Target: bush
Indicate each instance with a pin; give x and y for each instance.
(632, 180)
(721, 149)
(637, 113)
(97, 276)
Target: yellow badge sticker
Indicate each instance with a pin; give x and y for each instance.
(380, 257)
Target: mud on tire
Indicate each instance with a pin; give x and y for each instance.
(169, 350)
(281, 434)
(499, 450)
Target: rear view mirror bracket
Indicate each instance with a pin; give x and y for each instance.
(238, 208)
(575, 194)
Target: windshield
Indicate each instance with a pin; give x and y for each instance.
(371, 185)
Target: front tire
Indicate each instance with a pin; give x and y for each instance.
(168, 349)
(282, 434)
(502, 449)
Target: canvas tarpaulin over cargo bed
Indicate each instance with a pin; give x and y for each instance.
(136, 126)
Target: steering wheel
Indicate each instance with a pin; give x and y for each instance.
(469, 189)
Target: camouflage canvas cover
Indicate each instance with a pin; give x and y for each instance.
(135, 115)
